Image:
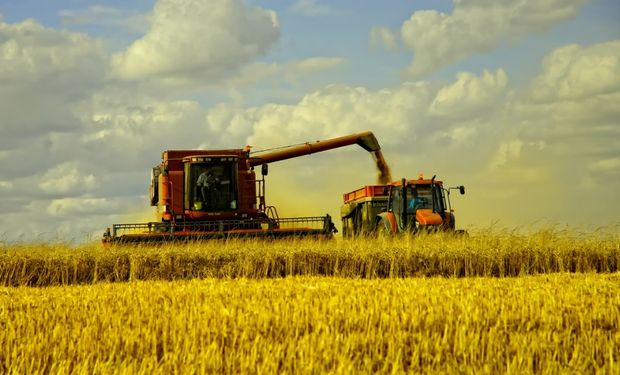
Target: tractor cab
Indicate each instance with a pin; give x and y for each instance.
(417, 204)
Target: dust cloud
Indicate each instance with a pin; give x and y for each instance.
(384, 177)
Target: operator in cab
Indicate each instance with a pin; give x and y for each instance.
(207, 185)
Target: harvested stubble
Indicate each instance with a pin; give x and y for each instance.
(482, 254)
(560, 323)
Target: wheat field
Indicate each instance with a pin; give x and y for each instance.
(492, 302)
(532, 324)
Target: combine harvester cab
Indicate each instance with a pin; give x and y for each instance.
(406, 206)
(204, 194)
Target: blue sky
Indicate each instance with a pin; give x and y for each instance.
(516, 100)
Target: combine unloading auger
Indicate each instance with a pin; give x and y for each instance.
(203, 194)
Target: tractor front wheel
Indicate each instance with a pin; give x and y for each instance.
(382, 229)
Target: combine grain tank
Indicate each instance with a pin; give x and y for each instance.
(400, 206)
(203, 194)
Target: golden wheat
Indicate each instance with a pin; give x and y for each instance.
(533, 324)
(482, 254)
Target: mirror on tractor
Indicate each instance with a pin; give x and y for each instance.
(462, 189)
(264, 170)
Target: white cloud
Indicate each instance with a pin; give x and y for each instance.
(470, 93)
(131, 135)
(66, 178)
(568, 102)
(81, 206)
(409, 111)
(30, 52)
(439, 39)
(44, 72)
(561, 149)
(337, 110)
(410, 116)
(382, 36)
(576, 73)
(197, 42)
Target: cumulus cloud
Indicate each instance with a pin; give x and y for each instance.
(575, 73)
(197, 42)
(41, 69)
(30, 53)
(66, 178)
(438, 39)
(338, 109)
(408, 112)
(469, 93)
(569, 87)
(132, 134)
(564, 143)
(81, 206)
(44, 75)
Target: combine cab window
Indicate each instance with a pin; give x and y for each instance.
(210, 186)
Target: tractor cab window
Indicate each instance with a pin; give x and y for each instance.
(210, 186)
(419, 197)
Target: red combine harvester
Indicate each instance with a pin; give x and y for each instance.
(201, 194)
(398, 207)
